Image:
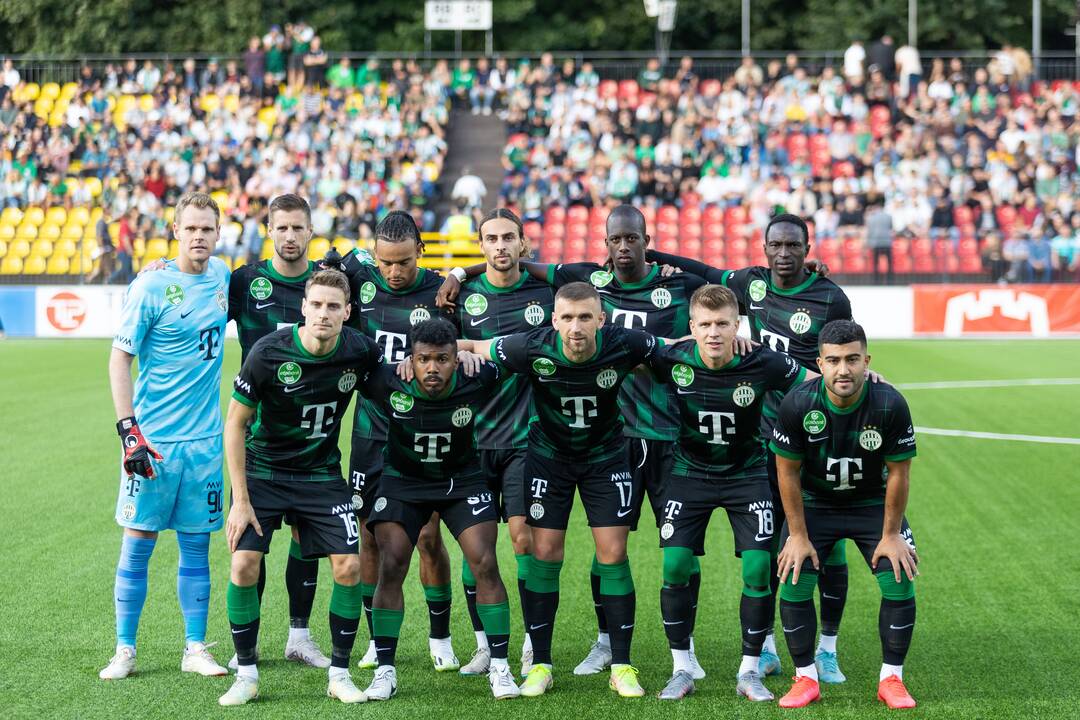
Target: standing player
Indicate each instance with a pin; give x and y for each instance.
(174, 320)
(503, 301)
(787, 304)
(843, 453)
(296, 384)
(576, 370)
(719, 463)
(391, 297)
(635, 295)
(431, 466)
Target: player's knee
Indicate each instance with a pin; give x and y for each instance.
(244, 569)
(548, 549)
(486, 568)
(678, 563)
(755, 573)
(346, 569)
(393, 565)
(801, 591)
(520, 537)
(892, 590)
(430, 542)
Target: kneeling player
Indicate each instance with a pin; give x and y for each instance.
(431, 466)
(719, 463)
(298, 382)
(843, 454)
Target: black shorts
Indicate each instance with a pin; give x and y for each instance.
(607, 490)
(322, 512)
(505, 470)
(650, 463)
(828, 526)
(690, 501)
(459, 513)
(365, 469)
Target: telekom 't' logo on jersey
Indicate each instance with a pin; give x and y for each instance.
(66, 311)
(982, 304)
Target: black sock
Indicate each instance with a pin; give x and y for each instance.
(262, 577)
(619, 610)
(598, 604)
(470, 601)
(833, 584)
(245, 637)
(385, 649)
(343, 635)
(541, 614)
(524, 605)
(301, 580)
(439, 616)
(800, 627)
(774, 589)
(676, 608)
(896, 623)
(754, 617)
(695, 589)
(367, 615)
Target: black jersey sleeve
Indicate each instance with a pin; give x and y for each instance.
(565, 273)
(841, 308)
(695, 267)
(641, 345)
(250, 383)
(236, 291)
(899, 443)
(512, 352)
(787, 438)
(491, 376)
(661, 362)
(784, 372)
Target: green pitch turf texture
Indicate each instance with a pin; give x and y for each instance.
(995, 522)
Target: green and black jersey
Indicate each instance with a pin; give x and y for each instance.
(486, 312)
(299, 400)
(431, 439)
(719, 437)
(262, 300)
(656, 304)
(577, 412)
(844, 450)
(386, 316)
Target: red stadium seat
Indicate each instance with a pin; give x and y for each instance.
(922, 248)
(901, 247)
(798, 146)
(551, 252)
(856, 264)
(968, 247)
(711, 86)
(596, 248)
(577, 231)
(608, 88)
(668, 213)
(962, 215)
(880, 119)
(716, 259)
(628, 88)
(598, 215)
(690, 247)
(691, 198)
(901, 264)
(668, 245)
(690, 214)
(690, 230)
(971, 264)
(735, 215)
(650, 214)
(712, 214)
(533, 230)
(555, 213)
(597, 229)
(924, 264)
(819, 142)
(555, 229)
(713, 230)
(712, 247)
(578, 213)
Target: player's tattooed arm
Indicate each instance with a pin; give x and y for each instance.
(893, 545)
(241, 513)
(798, 546)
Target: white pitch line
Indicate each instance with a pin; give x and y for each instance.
(961, 384)
(998, 436)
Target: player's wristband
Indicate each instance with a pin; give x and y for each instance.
(459, 273)
(128, 426)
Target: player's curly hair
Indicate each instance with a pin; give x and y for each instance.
(398, 226)
(329, 278)
(435, 332)
(841, 332)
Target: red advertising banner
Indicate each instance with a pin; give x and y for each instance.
(973, 310)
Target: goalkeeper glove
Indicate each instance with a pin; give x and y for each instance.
(137, 451)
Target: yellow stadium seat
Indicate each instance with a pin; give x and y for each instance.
(56, 215)
(80, 215)
(3, 248)
(34, 265)
(222, 199)
(30, 91)
(11, 265)
(158, 247)
(50, 90)
(170, 214)
(317, 248)
(77, 263)
(11, 216)
(65, 248)
(69, 90)
(41, 248)
(97, 212)
(93, 186)
(125, 103)
(57, 118)
(267, 249)
(7, 232)
(48, 231)
(73, 231)
(57, 265)
(138, 247)
(231, 103)
(146, 103)
(209, 102)
(43, 106)
(34, 216)
(174, 248)
(344, 245)
(18, 248)
(268, 116)
(26, 232)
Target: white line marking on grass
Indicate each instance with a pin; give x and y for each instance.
(960, 384)
(998, 436)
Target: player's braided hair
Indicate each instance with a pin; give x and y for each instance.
(287, 203)
(198, 200)
(791, 219)
(329, 278)
(841, 332)
(713, 297)
(398, 226)
(435, 332)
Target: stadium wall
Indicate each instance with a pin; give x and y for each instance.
(951, 311)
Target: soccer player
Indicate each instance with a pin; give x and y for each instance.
(843, 453)
(719, 463)
(576, 370)
(296, 383)
(787, 304)
(502, 301)
(431, 466)
(391, 297)
(170, 430)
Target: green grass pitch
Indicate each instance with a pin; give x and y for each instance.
(995, 521)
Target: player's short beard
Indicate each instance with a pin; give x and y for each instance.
(285, 256)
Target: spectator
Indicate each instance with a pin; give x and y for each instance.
(470, 188)
(148, 77)
(854, 59)
(341, 76)
(1016, 251)
(11, 76)
(748, 74)
(993, 258)
(314, 62)
(909, 68)
(826, 222)
(1039, 258)
(650, 76)
(879, 238)
(482, 93)
(105, 253)
(255, 64)
(125, 247)
(882, 56)
(462, 82)
(460, 223)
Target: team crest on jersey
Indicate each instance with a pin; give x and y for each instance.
(347, 381)
(601, 278)
(461, 417)
(683, 375)
(744, 395)
(607, 378)
(758, 290)
(174, 294)
(367, 292)
(800, 322)
(814, 422)
(128, 511)
(261, 288)
(870, 439)
(476, 304)
(288, 372)
(222, 301)
(536, 511)
(380, 504)
(419, 315)
(667, 530)
(357, 501)
(534, 314)
(661, 297)
(402, 402)
(543, 366)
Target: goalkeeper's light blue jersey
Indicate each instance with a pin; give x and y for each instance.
(175, 323)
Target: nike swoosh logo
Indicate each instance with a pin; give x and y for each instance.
(543, 379)
(756, 632)
(293, 388)
(830, 597)
(310, 584)
(757, 307)
(477, 511)
(817, 439)
(469, 592)
(346, 632)
(602, 291)
(498, 644)
(401, 417)
(214, 519)
(352, 542)
(474, 323)
(202, 599)
(440, 612)
(260, 306)
(185, 314)
(627, 627)
(761, 538)
(379, 649)
(677, 622)
(537, 627)
(363, 310)
(794, 629)
(624, 513)
(237, 632)
(685, 392)
(902, 627)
